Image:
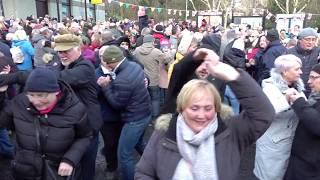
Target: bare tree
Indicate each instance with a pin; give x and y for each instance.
(292, 6)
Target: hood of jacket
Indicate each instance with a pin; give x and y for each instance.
(146, 48)
(277, 80)
(214, 41)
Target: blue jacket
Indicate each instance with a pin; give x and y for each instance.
(128, 92)
(274, 50)
(28, 52)
(109, 114)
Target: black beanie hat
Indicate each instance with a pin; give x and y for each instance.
(316, 68)
(272, 35)
(212, 41)
(42, 80)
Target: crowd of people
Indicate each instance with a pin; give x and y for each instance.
(208, 93)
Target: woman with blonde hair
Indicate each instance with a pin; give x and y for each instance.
(200, 141)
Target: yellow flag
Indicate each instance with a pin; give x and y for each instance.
(96, 2)
(152, 9)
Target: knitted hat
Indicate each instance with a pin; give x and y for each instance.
(112, 54)
(316, 68)
(272, 35)
(307, 32)
(148, 38)
(158, 28)
(66, 41)
(42, 80)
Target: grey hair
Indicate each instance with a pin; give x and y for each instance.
(285, 62)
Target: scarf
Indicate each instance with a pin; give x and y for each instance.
(282, 85)
(198, 152)
(313, 98)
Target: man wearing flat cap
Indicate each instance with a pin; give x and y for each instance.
(80, 75)
(307, 51)
(127, 93)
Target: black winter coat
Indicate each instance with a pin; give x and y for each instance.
(304, 163)
(80, 75)
(182, 73)
(274, 50)
(234, 57)
(64, 133)
(309, 59)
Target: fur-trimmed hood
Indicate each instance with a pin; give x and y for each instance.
(163, 121)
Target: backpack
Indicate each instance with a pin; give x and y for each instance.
(17, 55)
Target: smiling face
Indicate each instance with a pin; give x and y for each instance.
(199, 111)
(42, 100)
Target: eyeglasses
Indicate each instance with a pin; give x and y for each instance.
(310, 39)
(314, 77)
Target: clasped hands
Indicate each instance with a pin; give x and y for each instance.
(215, 67)
(292, 95)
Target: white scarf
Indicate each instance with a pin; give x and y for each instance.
(198, 152)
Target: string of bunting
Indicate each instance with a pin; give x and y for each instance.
(134, 7)
(174, 12)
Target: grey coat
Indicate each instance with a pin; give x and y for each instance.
(161, 156)
(274, 147)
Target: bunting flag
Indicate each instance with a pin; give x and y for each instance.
(180, 13)
(120, 4)
(194, 13)
(169, 11)
(269, 15)
(187, 13)
(109, 1)
(159, 10)
(174, 12)
(152, 9)
(309, 16)
(126, 5)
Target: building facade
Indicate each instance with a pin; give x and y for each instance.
(54, 8)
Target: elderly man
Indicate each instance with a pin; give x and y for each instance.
(304, 159)
(307, 51)
(80, 75)
(126, 92)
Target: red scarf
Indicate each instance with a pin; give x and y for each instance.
(49, 109)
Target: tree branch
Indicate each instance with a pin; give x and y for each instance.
(283, 9)
(194, 8)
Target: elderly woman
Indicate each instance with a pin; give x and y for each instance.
(51, 128)
(304, 158)
(195, 143)
(273, 148)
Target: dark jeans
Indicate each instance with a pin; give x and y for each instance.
(88, 161)
(110, 132)
(6, 147)
(154, 92)
(163, 95)
(131, 138)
